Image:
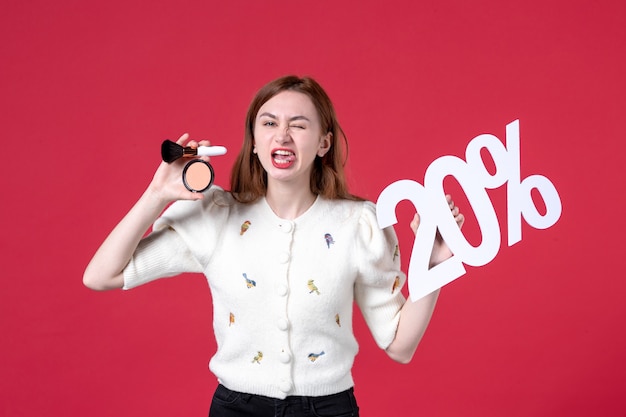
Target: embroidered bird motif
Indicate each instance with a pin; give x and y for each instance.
(258, 357)
(250, 283)
(314, 356)
(396, 284)
(337, 320)
(329, 239)
(396, 253)
(312, 287)
(231, 319)
(244, 227)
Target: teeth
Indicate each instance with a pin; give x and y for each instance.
(284, 153)
(283, 156)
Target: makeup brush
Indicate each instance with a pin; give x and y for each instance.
(171, 151)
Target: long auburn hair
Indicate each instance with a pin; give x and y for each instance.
(248, 180)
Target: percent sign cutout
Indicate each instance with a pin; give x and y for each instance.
(472, 175)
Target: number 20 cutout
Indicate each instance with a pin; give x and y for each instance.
(429, 201)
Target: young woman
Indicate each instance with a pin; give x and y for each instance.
(286, 252)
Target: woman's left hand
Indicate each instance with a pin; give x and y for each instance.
(440, 252)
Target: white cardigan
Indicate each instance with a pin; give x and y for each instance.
(282, 290)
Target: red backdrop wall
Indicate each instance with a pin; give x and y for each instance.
(90, 89)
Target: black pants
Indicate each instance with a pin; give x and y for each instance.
(227, 403)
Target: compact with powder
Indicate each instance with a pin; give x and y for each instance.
(198, 175)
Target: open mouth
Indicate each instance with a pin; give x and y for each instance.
(282, 158)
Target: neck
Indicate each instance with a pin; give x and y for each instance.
(289, 202)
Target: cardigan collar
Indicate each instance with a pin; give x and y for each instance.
(309, 213)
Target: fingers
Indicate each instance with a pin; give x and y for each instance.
(202, 143)
(415, 223)
(460, 219)
(449, 201)
(181, 140)
(456, 212)
(191, 196)
(184, 141)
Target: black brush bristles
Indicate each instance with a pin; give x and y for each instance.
(171, 151)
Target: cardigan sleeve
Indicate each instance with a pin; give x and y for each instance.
(182, 240)
(379, 282)
(161, 254)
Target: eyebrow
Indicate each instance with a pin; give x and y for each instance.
(291, 119)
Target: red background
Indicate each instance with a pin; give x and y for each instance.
(90, 89)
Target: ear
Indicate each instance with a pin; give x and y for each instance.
(325, 144)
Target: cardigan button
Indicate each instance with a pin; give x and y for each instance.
(285, 386)
(285, 357)
(283, 324)
(282, 290)
(286, 227)
(283, 257)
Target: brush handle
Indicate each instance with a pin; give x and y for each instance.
(211, 150)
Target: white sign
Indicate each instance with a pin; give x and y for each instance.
(429, 201)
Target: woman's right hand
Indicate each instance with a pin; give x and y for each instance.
(167, 185)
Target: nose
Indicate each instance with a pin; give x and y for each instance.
(283, 136)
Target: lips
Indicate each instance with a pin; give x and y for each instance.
(283, 158)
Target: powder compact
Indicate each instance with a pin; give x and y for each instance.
(198, 175)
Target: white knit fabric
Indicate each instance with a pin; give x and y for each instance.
(282, 290)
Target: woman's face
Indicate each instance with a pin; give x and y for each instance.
(288, 136)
